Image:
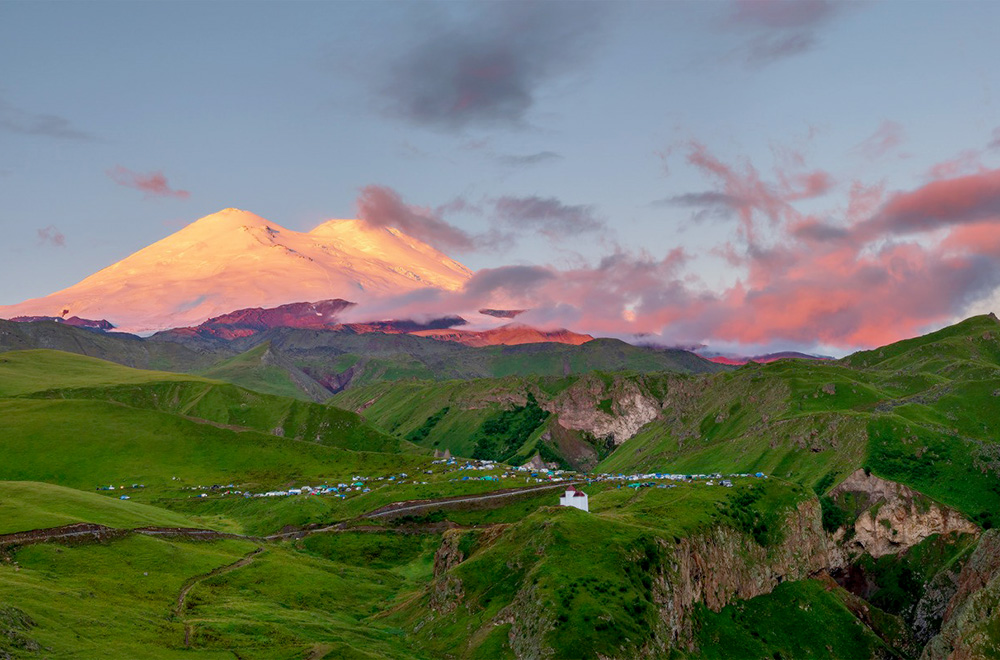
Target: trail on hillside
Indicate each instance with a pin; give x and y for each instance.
(190, 584)
(410, 506)
(85, 532)
(91, 532)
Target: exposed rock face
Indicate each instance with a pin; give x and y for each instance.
(705, 569)
(933, 605)
(897, 517)
(578, 409)
(529, 621)
(971, 629)
(448, 591)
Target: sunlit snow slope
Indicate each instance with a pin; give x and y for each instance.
(234, 259)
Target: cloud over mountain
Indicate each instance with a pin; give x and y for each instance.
(489, 68)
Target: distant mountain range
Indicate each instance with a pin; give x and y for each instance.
(764, 359)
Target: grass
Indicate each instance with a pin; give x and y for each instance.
(32, 371)
(109, 600)
(805, 619)
(36, 374)
(84, 444)
(581, 584)
(27, 505)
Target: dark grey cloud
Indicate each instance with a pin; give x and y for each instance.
(766, 50)
(23, 122)
(709, 205)
(819, 232)
(707, 198)
(781, 28)
(995, 142)
(488, 69)
(546, 215)
(515, 280)
(528, 159)
(51, 236)
(379, 206)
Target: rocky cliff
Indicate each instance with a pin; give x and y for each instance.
(895, 517)
(971, 628)
(723, 565)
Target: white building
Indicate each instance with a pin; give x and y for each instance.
(574, 498)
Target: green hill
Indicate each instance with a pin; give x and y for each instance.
(27, 505)
(42, 374)
(923, 412)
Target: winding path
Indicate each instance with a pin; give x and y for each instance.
(192, 582)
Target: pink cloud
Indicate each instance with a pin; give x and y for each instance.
(153, 184)
(887, 137)
(877, 268)
(964, 163)
(938, 204)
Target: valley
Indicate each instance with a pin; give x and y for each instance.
(220, 508)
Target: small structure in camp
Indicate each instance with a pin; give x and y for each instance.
(574, 498)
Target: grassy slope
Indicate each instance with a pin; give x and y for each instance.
(27, 505)
(585, 582)
(377, 357)
(109, 600)
(250, 371)
(923, 412)
(83, 444)
(451, 414)
(32, 371)
(805, 619)
(58, 375)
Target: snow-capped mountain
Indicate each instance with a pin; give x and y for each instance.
(234, 259)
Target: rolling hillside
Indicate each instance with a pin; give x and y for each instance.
(63, 376)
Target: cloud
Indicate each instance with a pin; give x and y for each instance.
(23, 122)
(380, 206)
(995, 142)
(528, 159)
(817, 231)
(941, 203)
(490, 69)
(887, 137)
(546, 215)
(153, 184)
(782, 14)
(710, 205)
(768, 49)
(873, 269)
(508, 280)
(781, 28)
(51, 236)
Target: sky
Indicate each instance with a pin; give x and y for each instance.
(750, 175)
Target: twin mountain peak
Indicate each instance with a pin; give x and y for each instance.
(235, 259)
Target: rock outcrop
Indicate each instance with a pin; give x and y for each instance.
(970, 630)
(628, 409)
(704, 569)
(896, 517)
(448, 591)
